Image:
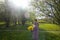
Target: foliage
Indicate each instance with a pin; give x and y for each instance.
(49, 8)
(55, 9)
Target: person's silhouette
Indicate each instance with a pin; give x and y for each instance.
(35, 31)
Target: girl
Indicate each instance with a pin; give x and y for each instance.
(35, 30)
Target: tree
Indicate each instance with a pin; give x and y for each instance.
(50, 8)
(5, 14)
(43, 9)
(55, 4)
(32, 15)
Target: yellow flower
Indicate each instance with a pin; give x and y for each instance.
(30, 28)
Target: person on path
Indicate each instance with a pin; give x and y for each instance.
(35, 30)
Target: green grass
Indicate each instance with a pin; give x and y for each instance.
(24, 34)
(50, 27)
(53, 28)
(2, 23)
(52, 31)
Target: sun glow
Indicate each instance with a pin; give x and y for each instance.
(20, 3)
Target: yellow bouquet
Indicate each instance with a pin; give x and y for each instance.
(30, 28)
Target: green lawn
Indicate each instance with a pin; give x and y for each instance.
(50, 27)
(52, 31)
(24, 34)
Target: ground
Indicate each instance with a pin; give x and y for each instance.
(20, 32)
